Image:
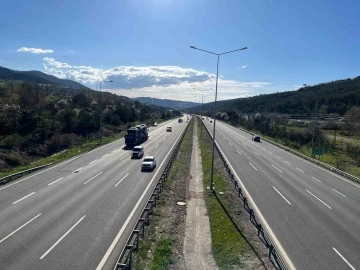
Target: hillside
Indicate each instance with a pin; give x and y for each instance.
(38, 120)
(37, 77)
(167, 103)
(333, 97)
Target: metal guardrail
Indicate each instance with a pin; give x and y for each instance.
(11, 177)
(273, 254)
(132, 244)
(313, 160)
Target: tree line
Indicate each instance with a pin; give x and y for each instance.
(39, 120)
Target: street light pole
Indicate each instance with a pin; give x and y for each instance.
(100, 114)
(202, 103)
(217, 76)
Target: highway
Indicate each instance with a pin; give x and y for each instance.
(314, 213)
(77, 214)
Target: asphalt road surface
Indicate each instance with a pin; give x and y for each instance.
(314, 213)
(72, 214)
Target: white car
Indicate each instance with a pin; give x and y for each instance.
(148, 163)
(138, 152)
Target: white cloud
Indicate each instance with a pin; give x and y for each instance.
(34, 50)
(243, 67)
(172, 82)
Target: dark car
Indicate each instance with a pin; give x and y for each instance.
(256, 138)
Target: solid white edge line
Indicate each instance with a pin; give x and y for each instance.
(61, 238)
(262, 219)
(339, 192)
(281, 195)
(23, 198)
(253, 166)
(122, 179)
(9, 185)
(318, 199)
(345, 260)
(238, 151)
(55, 181)
(300, 170)
(156, 145)
(116, 239)
(77, 170)
(92, 178)
(277, 168)
(93, 161)
(19, 228)
(124, 157)
(315, 179)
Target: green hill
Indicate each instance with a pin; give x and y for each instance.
(333, 97)
(37, 77)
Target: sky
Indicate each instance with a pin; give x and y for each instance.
(143, 46)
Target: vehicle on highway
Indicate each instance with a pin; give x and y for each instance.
(169, 129)
(148, 163)
(138, 152)
(180, 120)
(210, 121)
(256, 138)
(155, 124)
(136, 135)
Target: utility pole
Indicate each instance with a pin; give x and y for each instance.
(312, 141)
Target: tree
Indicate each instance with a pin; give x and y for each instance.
(352, 119)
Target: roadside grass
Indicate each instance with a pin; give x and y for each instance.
(155, 249)
(63, 155)
(332, 158)
(227, 243)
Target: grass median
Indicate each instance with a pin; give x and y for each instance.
(162, 244)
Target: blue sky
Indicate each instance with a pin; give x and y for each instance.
(143, 46)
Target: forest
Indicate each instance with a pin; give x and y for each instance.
(38, 120)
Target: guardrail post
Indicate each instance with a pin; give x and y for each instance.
(271, 247)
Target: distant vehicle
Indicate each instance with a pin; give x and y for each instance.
(180, 120)
(169, 129)
(256, 138)
(138, 152)
(155, 124)
(210, 121)
(148, 163)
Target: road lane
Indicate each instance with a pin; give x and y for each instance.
(308, 229)
(64, 202)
